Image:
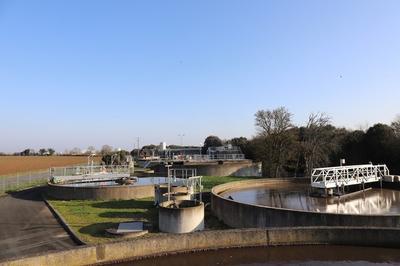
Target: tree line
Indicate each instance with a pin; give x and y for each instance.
(289, 150)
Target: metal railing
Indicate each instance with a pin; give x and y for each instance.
(21, 180)
(88, 173)
(182, 172)
(331, 177)
(89, 170)
(215, 157)
(187, 177)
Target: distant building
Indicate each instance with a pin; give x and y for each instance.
(225, 149)
(181, 153)
(225, 152)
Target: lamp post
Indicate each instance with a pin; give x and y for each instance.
(90, 163)
(181, 136)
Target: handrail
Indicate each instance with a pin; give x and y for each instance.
(329, 177)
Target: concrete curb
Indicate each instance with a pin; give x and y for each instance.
(63, 223)
(158, 245)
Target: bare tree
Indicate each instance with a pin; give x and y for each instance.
(396, 125)
(91, 150)
(51, 151)
(106, 149)
(274, 126)
(42, 151)
(273, 122)
(315, 140)
(75, 151)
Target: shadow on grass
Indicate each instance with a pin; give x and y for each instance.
(125, 204)
(97, 229)
(149, 215)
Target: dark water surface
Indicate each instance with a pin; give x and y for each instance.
(375, 201)
(283, 255)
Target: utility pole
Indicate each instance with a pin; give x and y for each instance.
(181, 136)
(138, 149)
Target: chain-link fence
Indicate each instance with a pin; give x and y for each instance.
(22, 180)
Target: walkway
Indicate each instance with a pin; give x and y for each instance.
(333, 177)
(27, 226)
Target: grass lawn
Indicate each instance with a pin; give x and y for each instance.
(89, 219)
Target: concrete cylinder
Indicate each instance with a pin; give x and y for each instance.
(177, 193)
(181, 216)
(183, 189)
(176, 196)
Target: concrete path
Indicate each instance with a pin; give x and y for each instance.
(27, 226)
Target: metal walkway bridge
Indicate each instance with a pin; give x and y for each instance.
(333, 177)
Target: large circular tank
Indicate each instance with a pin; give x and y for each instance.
(287, 202)
(181, 216)
(105, 190)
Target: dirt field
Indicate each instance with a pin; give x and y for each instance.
(15, 164)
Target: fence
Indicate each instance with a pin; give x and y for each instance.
(89, 170)
(213, 157)
(23, 180)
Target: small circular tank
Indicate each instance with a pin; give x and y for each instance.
(181, 216)
(176, 196)
(183, 189)
(176, 193)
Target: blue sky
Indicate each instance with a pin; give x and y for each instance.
(80, 73)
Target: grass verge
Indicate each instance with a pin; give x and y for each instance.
(89, 219)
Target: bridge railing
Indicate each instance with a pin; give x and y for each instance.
(330, 177)
(215, 157)
(89, 170)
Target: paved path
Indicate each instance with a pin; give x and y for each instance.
(27, 226)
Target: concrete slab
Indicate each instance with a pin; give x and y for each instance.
(131, 227)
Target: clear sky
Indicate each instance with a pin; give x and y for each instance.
(80, 73)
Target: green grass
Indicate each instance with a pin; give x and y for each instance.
(89, 219)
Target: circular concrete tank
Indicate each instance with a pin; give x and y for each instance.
(277, 202)
(182, 189)
(181, 216)
(177, 193)
(106, 190)
(176, 196)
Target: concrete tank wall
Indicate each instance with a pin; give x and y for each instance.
(206, 240)
(188, 217)
(221, 168)
(242, 215)
(176, 196)
(161, 190)
(100, 193)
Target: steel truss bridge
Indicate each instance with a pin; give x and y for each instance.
(340, 176)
